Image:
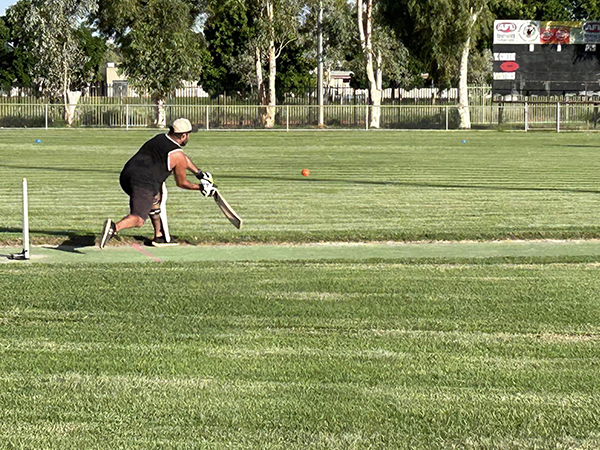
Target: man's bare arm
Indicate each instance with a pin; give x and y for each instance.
(191, 166)
(180, 163)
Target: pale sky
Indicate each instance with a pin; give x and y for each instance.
(5, 4)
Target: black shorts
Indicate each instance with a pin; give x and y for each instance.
(140, 198)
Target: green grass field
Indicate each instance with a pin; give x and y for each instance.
(322, 334)
(362, 187)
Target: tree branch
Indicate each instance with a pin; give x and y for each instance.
(283, 45)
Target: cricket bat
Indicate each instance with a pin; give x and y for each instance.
(233, 217)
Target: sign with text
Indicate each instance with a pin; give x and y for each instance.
(547, 32)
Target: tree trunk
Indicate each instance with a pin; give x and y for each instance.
(70, 105)
(376, 94)
(161, 112)
(260, 82)
(463, 93)
(365, 28)
(270, 113)
(69, 110)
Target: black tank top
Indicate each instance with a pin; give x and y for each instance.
(149, 167)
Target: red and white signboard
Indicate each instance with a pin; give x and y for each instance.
(516, 32)
(550, 32)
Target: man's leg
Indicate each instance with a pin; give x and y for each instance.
(158, 216)
(156, 223)
(129, 221)
(140, 203)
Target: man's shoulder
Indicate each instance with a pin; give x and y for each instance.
(162, 141)
(161, 137)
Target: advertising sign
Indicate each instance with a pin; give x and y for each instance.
(550, 32)
(516, 32)
(591, 32)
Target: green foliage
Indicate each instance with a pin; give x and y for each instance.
(480, 67)
(17, 62)
(60, 57)
(6, 57)
(95, 48)
(435, 30)
(161, 49)
(234, 30)
(538, 10)
(226, 64)
(47, 44)
(586, 9)
(156, 41)
(294, 71)
(550, 10)
(342, 48)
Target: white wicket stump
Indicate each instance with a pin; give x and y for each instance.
(24, 255)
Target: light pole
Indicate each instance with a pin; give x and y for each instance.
(320, 65)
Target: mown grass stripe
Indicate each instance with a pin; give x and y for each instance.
(363, 186)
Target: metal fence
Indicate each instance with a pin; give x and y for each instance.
(112, 94)
(524, 116)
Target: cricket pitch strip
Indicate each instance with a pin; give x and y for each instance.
(322, 251)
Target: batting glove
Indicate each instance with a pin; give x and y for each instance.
(204, 176)
(207, 188)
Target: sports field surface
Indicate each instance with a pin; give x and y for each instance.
(414, 292)
(362, 187)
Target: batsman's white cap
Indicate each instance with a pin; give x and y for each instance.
(182, 126)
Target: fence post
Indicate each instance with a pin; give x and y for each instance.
(207, 126)
(447, 118)
(366, 117)
(127, 117)
(526, 116)
(558, 117)
(287, 117)
(46, 115)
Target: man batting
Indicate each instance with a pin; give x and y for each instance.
(143, 177)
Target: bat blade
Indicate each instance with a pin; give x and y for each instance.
(233, 217)
(163, 214)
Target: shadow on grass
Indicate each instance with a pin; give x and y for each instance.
(414, 184)
(331, 180)
(73, 241)
(62, 169)
(71, 244)
(582, 145)
(76, 241)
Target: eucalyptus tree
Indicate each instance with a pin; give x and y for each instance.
(382, 53)
(441, 34)
(560, 10)
(7, 75)
(373, 58)
(267, 28)
(49, 31)
(277, 25)
(158, 43)
(228, 60)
